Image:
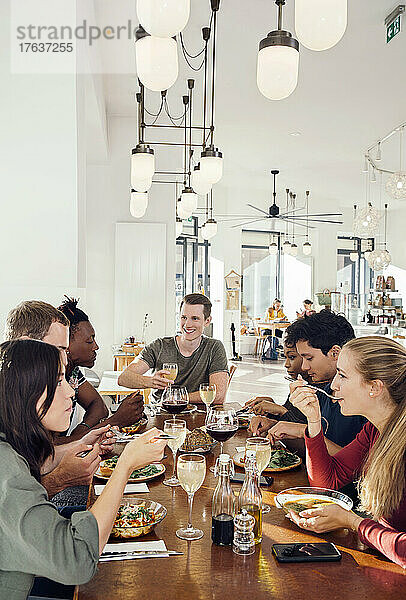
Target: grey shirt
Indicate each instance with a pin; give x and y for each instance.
(210, 357)
(34, 538)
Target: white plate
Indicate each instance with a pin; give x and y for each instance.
(160, 466)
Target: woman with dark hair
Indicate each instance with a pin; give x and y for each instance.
(36, 402)
(82, 353)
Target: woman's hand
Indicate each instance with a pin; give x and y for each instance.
(284, 430)
(260, 425)
(104, 436)
(326, 518)
(144, 450)
(304, 398)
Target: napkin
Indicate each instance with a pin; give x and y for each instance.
(129, 488)
(158, 545)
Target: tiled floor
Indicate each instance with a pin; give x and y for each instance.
(256, 378)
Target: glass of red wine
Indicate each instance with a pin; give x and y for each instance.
(174, 400)
(221, 424)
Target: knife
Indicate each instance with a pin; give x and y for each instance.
(135, 552)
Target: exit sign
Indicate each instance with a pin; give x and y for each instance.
(392, 29)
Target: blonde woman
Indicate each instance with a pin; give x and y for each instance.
(370, 381)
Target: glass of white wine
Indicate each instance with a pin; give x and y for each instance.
(191, 474)
(262, 448)
(172, 369)
(207, 393)
(177, 429)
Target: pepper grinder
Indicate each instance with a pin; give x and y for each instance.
(244, 533)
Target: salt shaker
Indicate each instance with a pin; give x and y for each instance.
(244, 533)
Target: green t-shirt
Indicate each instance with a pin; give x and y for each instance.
(34, 538)
(210, 357)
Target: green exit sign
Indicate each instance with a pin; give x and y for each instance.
(392, 29)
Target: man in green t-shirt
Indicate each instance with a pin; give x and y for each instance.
(200, 359)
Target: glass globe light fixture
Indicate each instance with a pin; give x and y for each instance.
(293, 249)
(157, 62)
(211, 165)
(307, 248)
(199, 184)
(179, 226)
(273, 248)
(209, 229)
(189, 199)
(138, 204)
(163, 18)
(141, 185)
(320, 24)
(286, 247)
(183, 211)
(354, 256)
(366, 221)
(142, 163)
(278, 65)
(396, 185)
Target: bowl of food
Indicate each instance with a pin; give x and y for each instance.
(131, 430)
(198, 440)
(303, 498)
(136, 517)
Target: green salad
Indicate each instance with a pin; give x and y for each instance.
(282, 458)
(145, 471)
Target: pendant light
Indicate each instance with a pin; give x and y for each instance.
(156, 61)
(273, 246)
(320, 24)
(209, 228)
(293, 247)
(396, 184)
(200, 185)
(138, 204)
(163, 18)
(307, 247)
(189, 199)
(211, 159)
(278, 62)
(183, 211)
(286, 247)
(142, 165)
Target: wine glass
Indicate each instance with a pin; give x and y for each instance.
(175, 400)
(207, 393)
(177, 429)
(173, 371)
(191, 474)
(262, 448)
(221, 424)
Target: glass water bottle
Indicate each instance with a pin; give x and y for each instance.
(250, 497)
(223, 504)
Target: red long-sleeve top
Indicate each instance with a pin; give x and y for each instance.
(387, 535)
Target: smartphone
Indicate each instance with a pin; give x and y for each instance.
(318, 552)
(239, 478)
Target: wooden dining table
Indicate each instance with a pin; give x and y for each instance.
(206, 571)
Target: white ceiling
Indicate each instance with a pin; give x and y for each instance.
(346, 98)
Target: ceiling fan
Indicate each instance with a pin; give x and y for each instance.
(289, 216)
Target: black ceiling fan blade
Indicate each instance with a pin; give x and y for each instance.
(315, 215)
(296, 223)
(260, 209)
(326, 221)
(247, 223)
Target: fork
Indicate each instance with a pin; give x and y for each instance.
(312, 387)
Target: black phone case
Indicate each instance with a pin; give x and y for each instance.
(289, 553)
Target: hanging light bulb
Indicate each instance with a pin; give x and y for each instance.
(273, 246)
(178, 227)
(211, 165)
(373, 176)
(202, 231)
(365, 167)
(163, 18)
(138, 204)
(142, 164)
(209, 229)
(286, 247)
(320, 24)
(278, 62)
(378, 156)
(156, 61)
(293, 249)
(307, 248)
(353, 256)
(189, 199)
(183, 211)
(199, 184)
(141, 185)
